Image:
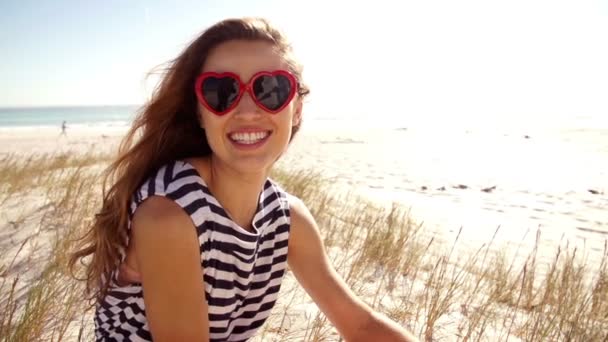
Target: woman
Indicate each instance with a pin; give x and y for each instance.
(193, 238)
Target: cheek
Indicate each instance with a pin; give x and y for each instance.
(289, 115)
(201, 114)
(286, 122)
(210, 126)
(212, 130)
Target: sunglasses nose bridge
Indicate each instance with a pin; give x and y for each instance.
(246, 88)
(247, 102)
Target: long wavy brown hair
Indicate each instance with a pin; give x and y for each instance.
(166, 128)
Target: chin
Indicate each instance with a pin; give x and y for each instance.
(253, 165)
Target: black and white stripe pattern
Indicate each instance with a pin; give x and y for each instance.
(242, 269)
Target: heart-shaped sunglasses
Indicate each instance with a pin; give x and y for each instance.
(221, 92)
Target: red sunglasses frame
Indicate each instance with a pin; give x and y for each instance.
(244, 87)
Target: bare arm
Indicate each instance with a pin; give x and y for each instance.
(353, 319)
(167, 252)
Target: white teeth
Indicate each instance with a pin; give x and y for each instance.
(248, 138)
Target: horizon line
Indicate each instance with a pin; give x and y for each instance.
(70, 106)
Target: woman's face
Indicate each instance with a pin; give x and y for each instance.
(248, 139)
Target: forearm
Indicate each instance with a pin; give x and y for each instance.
(381, 328)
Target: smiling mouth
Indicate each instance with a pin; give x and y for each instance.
(249, 138)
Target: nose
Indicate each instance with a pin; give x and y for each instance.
(247, 106)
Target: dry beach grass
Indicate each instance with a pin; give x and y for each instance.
(385, 256)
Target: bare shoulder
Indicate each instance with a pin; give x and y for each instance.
(301, 217)
(305, 241)
(151, 222)
(304, 238)
(158, 211)
(159, 222)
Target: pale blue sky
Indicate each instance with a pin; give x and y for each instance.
(95, 52)
(531, 61)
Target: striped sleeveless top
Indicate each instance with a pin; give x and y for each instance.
(242, 269)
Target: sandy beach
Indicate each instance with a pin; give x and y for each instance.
(475, 181)
(49, 140)
(454, 186)
(468, 183)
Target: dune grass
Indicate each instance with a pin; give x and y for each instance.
(385, 256)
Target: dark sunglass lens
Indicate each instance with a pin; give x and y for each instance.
(272, 91)
(220, 93)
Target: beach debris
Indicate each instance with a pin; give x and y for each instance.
(441, 189)
(460, 186)
(590, 230)
(595, 192)
(489, 189)
(340, 140)
(423, 188)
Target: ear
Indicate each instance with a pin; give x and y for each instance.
(297, 114)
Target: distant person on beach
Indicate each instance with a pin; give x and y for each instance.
(64, 127)
(193, 238)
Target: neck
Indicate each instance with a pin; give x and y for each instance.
(224, 182)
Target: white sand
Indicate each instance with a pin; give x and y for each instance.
(395, 165)
(541, 183)
(387, 167)
(41, 140)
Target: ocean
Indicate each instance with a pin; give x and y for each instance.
(455, 179)
(54, 116)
